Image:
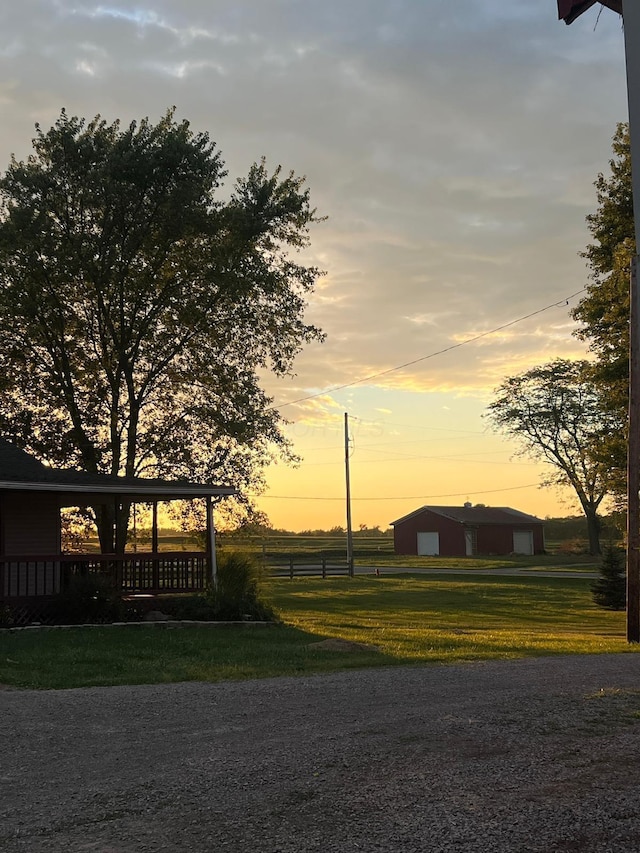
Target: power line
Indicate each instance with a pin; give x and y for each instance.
(381, 423)
(420, 441)
(405, 457)
(564, 301)
(405, 498)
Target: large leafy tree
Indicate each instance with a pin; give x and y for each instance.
(604, 311)
(138, 307)
(554, 413)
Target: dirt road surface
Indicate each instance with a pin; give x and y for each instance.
(533, 755)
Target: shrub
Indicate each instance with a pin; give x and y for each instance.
(575, 546)
(610, 589)
(236, 596)
(237, 593)
(7, 617)
(93, 598)
(88, 598)
(196, 607)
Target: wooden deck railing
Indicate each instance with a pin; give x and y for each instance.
(153, 573)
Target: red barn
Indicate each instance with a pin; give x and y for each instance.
(463, 531)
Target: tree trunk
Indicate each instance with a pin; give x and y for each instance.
(104, 514)
(112, 526)
(593, 530)
(122, 526)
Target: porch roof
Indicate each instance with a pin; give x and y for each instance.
(21, 472)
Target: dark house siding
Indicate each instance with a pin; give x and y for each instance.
(29, 527)
(30, 524)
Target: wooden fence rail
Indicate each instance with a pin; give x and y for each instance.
(315, 567)
(153, 573)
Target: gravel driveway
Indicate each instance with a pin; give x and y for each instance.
(527, 755)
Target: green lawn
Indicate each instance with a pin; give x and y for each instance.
(419, 618)
(411, 620)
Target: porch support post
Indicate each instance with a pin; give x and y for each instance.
(154, 527)
(211, 544)
(155, 568)
(118, 544)
(120, 535)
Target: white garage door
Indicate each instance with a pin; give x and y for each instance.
(428, 544)
(523, 542)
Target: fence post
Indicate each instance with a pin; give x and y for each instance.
(291, 567)
(324, 567)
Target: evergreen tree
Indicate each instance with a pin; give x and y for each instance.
(610, 589)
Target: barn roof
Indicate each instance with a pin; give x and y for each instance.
(476, 515)
(19, 471)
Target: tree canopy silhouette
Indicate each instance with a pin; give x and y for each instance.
(138, 306)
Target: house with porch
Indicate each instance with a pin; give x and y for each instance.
(32, 565)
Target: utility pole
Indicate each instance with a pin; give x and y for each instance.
(633, 466)
(348, 483)
(631, 18)
(569, 10)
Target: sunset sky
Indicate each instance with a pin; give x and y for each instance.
(453, 146)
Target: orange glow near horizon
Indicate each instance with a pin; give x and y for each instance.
(402, 457)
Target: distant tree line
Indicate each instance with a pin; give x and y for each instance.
(574, 528)
(259, 525)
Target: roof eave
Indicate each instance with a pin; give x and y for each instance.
(138, 491)
(570, 11)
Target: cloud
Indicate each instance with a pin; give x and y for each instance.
(452, 145)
